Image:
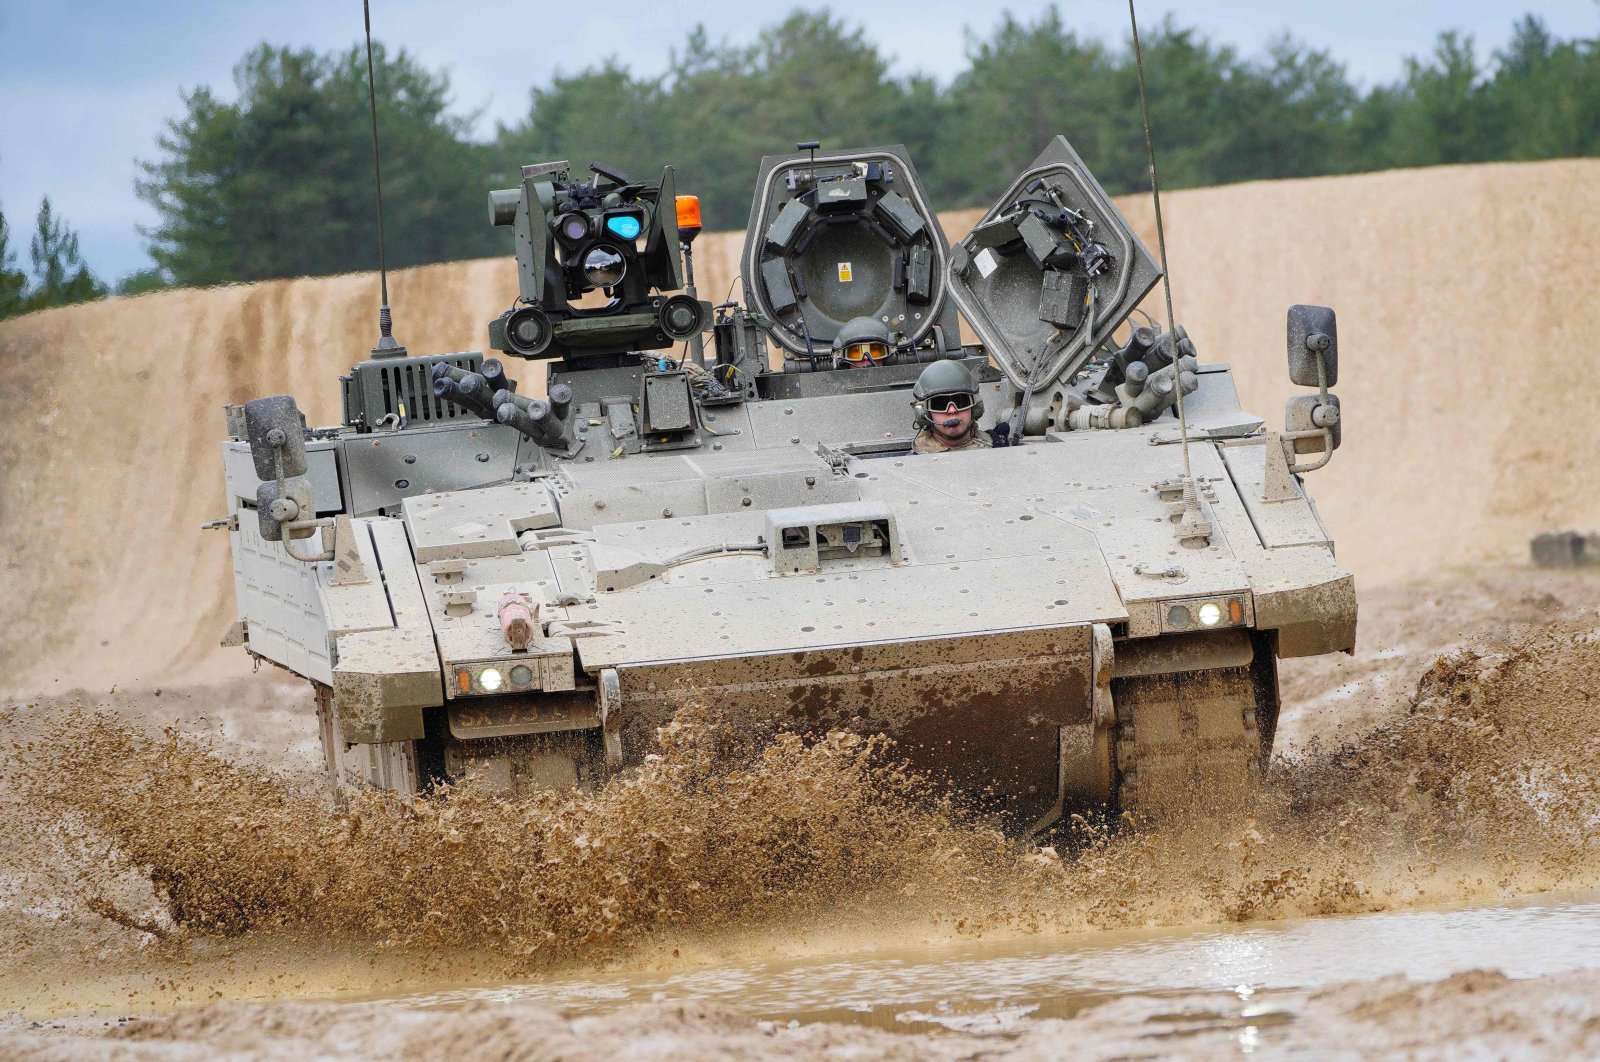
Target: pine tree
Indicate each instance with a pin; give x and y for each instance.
(13, 281)
(60, 275)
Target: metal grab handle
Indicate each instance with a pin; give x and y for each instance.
(1288, 437)
(328, 549)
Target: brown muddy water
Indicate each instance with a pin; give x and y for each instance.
(994, 985)
(1451, 828)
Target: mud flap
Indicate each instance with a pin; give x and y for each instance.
(390, 765)
(611, 717)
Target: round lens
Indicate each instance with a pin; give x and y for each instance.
(575, 227)
(1210, 614)
(490, 678)
(603, 267)
(522, 676)
(1178, 618)
(529, 331)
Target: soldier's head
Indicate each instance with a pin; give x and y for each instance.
(861, 343)
(946, 400)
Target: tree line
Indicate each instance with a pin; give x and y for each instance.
(58, 275)
(278, 180)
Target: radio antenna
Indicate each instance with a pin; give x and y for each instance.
(1194, 528)
(388, 346)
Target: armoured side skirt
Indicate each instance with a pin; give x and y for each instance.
(985, 712)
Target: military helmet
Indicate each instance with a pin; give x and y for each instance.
(861, 341)
(946, 377)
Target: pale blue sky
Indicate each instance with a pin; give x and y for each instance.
(86, 85)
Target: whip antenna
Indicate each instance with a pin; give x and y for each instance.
(1194, 525)
(388, 346)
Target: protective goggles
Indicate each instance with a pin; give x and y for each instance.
(955, 402)
(867, 353)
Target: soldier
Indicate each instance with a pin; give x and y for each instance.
(862, 342)
(947, 410)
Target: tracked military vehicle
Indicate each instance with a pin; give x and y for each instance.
(519, 586)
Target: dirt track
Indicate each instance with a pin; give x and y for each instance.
(1464, 294)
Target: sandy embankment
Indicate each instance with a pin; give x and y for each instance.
(1463, 292)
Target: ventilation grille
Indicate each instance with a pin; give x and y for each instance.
(375, 389)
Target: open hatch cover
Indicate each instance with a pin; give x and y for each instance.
(845, 234)
(1050, 270)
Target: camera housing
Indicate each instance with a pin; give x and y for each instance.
(576, 238)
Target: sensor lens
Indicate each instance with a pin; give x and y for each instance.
(681, 318)
(624, 226)
(528, 330)
(603, 267)
(575, 227)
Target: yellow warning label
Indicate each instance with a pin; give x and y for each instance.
(844, 272)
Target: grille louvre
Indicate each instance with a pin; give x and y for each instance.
(375, 389)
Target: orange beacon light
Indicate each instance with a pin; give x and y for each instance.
(688, 217)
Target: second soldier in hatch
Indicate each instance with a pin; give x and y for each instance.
(947, 410)
(862, 343)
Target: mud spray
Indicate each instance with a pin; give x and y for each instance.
(1482, 787)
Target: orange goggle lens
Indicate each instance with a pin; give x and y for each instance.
(861, 353)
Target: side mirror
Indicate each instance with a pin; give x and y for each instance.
(273, 509)
(276, 431)
(1313, 334)
(1306, 415)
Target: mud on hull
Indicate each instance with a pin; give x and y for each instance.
(1029, 724)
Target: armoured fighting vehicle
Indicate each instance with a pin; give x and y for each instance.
(522, 586)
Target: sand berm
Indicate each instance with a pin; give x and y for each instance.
(1464, 294)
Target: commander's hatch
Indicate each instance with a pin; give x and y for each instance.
(1050, 270)
(843, 234)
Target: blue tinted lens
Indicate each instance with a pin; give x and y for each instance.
(623, 226)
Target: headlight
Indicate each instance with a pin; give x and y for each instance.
(490, 678)
(1204, 614)
(522, 676)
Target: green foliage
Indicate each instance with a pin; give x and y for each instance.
(13, 281)
(141, 281)
(279, 182)
(59, 275)
(720, 107)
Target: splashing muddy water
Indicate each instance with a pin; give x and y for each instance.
(815, 864)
